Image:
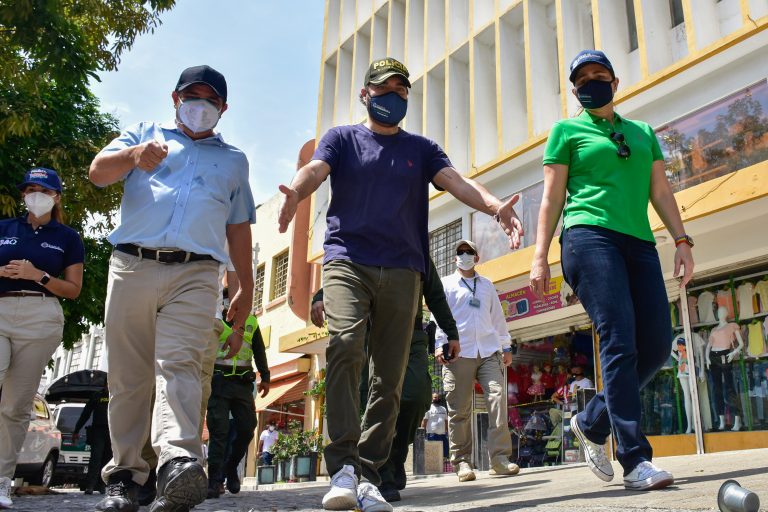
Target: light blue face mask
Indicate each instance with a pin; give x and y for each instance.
(388, 108)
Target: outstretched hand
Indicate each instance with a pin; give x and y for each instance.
(287, 207)
(510, 222)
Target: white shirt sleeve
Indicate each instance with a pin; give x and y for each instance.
(497, 317)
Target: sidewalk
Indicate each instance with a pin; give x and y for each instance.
(557, 489)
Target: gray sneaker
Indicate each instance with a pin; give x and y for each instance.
(647, 477)
(465, 472)
(343, 492)
(594, 453)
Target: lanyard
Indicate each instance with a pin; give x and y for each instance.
(474, 285)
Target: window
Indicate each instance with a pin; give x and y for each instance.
(258, 288)
(97, 350)
(279, 275)
(719, 138)
(631, 24)
(76, 361)
(441, 245)
(676, 12)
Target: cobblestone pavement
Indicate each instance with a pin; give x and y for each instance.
(559, 489)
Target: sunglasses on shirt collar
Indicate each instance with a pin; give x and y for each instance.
(465, 251)
(623, 149)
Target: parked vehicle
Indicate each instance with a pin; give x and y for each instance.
(74, 455)
(42, 445)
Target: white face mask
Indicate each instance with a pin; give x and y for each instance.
(271, 428)
(465, 261)
(198, 115)
(39, 203)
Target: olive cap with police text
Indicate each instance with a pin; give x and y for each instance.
(381, 69)
(203, 75)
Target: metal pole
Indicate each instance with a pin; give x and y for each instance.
(692, 380)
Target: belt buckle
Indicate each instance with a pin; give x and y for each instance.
(158, 252)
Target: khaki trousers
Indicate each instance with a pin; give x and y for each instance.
(157, 328)
(459, 383)
(209, 359)
(30, 330)
(353, 294)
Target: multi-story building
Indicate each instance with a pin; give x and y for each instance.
(489, 79)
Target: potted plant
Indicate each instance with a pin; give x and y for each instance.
(296, 453)
(281, 457)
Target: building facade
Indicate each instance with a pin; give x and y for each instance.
(86, 354)
(489, 79)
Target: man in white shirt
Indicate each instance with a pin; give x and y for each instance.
(267, 440)
(483, 353)
(436, 423)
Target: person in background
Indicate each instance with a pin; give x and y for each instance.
(485, 349)
(436, 423)
(611, 167)
(41, 259)
(97, 436)
(267, 440)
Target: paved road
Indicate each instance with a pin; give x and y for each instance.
(562, 489)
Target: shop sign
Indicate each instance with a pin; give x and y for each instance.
(522, 303)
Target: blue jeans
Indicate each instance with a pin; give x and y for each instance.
(440, 437)
(619, 282)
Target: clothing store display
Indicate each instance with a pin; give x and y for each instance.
(725, 300)
(705, 305)
(745, 296)
(761, 290)
(693, 310)
(755, 339)
(725, 391)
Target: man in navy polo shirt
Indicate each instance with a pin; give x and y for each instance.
(375, 256)
(186, 194)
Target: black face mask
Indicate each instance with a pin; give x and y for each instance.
(595, 94)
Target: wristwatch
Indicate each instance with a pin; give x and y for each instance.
(684, 239)
(506, 349)
(44, 280)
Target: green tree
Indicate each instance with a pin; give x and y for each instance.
(49, 50)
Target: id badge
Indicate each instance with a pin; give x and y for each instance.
(474, 302)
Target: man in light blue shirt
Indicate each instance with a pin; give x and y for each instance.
(186, 195)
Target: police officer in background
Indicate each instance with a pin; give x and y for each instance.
(97, 436)
(232, 392)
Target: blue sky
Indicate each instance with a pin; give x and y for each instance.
(269, 52)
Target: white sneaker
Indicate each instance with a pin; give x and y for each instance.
(647, 477)
(465, 472)
(594, 453)
(369, 499)
(343, 493)
(504, 468)
(5, 493)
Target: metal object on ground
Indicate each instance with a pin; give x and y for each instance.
(732, 497)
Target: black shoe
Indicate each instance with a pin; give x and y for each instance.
(233, 480)
(400, 478)
(121, 494)
(181, 484)
(389, 492)
(214, 481)
(88, 490)
(148, 491)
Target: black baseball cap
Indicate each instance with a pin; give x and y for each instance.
(589, 56)
(203, 75)
(381, 69)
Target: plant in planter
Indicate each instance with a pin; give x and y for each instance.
(281, 455)
(296, 453)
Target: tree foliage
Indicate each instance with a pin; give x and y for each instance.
(49, 50)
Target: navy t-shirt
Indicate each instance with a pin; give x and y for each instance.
(51, 248)
(379, 201)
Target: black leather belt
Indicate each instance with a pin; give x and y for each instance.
(162, 255)
(25, 293)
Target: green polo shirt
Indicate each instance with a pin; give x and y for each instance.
(603, 188)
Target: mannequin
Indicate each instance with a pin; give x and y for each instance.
(680, 355)
(547, 379)
(719, 356)
(699, 348)
(536, 390)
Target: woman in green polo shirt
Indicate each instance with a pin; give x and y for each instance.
(611, 167)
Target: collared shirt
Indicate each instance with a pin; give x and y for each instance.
(605, 189)
(188, 200)
(482, 330)
(52, 247)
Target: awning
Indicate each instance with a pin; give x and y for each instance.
(286, 390)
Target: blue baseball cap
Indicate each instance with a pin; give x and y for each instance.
(590, 57)
(46, 178)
